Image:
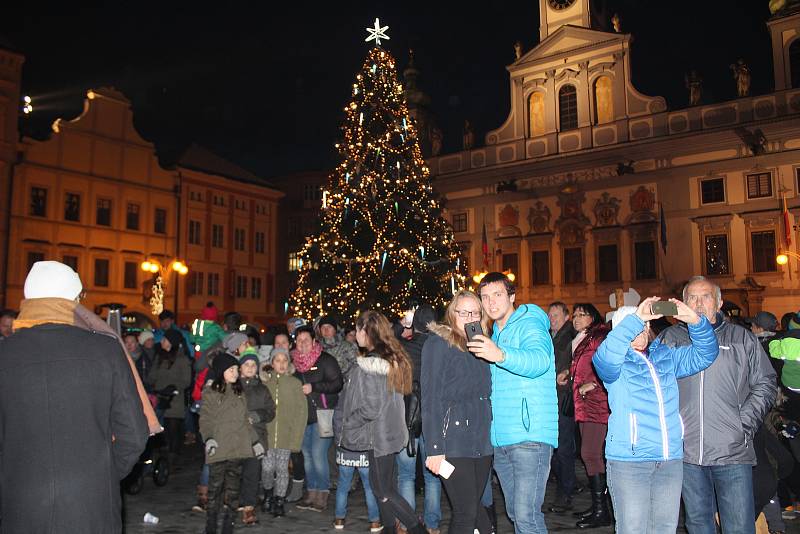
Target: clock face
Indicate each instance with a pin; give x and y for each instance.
(560, 4)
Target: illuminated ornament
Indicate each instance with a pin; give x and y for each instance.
(377, 33)
(422, 252)
(453, 285)
(383, 260)
(157, 298)
(361, 118)
(396, 207)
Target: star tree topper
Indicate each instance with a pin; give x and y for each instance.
(377, 33)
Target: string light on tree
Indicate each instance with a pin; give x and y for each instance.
(382, 239)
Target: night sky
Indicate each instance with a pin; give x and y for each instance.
(265, 86)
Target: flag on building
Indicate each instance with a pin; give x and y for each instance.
(787, 226)
(485, 247)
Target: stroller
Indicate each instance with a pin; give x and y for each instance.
(153, 461)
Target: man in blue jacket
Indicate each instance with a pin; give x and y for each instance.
(524, 404)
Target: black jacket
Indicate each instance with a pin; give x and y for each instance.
(456, 411)
(71, 427)
(562, 346)
(413, 348)
(326, 379)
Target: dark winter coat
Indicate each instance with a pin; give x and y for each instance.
(179, 374)
(592, 407)
(456, 411)
(562, 346)
(260, 406)
(326, 381)
(223, 418)
(371, 417)
(723, 406)
(71, 427)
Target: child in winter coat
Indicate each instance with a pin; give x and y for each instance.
(284, 432)
(229, 440)
(260, 411)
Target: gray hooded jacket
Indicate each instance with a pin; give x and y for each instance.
(723, 406)
(370, 417)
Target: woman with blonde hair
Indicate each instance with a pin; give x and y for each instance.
(372, 415)
(456, 413)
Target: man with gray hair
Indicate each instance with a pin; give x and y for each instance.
(721, 408)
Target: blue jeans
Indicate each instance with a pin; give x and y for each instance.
(346, 473)
(407, 475)
(646, 495)
(733, 487)
(315, 455)
(523, 469)
(487, 499)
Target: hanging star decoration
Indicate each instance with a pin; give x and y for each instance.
(377, 33)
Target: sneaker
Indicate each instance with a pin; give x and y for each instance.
(338, 524)
(375, 526)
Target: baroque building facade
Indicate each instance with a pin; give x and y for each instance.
(94, 196)
(590, 186)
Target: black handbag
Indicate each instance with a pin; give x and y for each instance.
(566, 404)
(413, 402)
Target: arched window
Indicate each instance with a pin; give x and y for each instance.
(794, 62)
(536, 113)
(603, 100)
(567, 108)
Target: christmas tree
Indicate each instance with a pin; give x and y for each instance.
(382, 241)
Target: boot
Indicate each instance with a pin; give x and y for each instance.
(587, 512)
(491, 511)
(296, 491)
(249, 516)
(320, 504)
(268, 503)
(419, 528)
(202, 499)
(561, 505)
(211, 522)
(309, 500)
(277, 508)
(228, 521)
(600, 515)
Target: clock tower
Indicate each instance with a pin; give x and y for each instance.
(556, 13)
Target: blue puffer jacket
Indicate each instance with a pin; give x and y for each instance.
(524, 404)
(645, 423)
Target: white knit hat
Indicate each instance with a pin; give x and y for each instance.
(52, 279)
(620, 314)
(144, 335)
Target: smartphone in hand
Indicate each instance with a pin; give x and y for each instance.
(473, 329)
(446, 469)
(663, 307)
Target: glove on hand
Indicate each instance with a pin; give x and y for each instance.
(211, 447)
(258, 450)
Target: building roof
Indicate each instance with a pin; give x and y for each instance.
(201, 159)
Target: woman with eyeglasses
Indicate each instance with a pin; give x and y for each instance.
(456, 413)
(591, 409)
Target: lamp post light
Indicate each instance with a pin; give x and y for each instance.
(783, 257)
(154, 267)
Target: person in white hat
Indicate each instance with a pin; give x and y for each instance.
(644, 447)
(77, 426)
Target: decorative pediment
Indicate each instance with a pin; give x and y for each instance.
(606, 209)
(643, 202)
(568, 38)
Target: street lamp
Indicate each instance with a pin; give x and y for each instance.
(783, 257)
(153, 266)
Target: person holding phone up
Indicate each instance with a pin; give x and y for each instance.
(456, 413)
(644, 447)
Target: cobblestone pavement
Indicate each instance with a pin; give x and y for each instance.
(172, 505)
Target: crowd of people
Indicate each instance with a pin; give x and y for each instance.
(699, 410)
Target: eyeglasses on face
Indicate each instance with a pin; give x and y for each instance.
(465, 314)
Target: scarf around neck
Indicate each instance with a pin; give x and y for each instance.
(304, 361)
